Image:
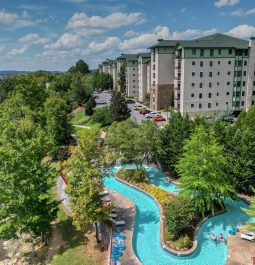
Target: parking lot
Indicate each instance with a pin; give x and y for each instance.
(105, 97)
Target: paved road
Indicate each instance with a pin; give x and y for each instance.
(135, 115)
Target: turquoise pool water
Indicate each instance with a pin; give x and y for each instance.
(146, 235)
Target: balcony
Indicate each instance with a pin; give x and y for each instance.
(177, 97)
(177, 87)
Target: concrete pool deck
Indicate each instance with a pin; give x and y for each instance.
(240, 251)
(126, 210)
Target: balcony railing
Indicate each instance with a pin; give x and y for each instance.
(178, 78)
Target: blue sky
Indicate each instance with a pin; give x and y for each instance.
(53, 34)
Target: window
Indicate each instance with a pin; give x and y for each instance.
(238, 63)
(192, 95)
(210, 84)
(200, 95)
(244, 73)
(200, 105)
(227, 93)
(228, 83)
(244, 83)
(253, 93)
(218, 62)
(253, 102)
(253, 83)
(217, 94)
(192, 105)
(209, 95)
(209, 105)
(218, 73)
(133, 81)
(201, 64)
(154, 75)
(217, 104)
(219, 51)
(193, 63)
(202, 52)
(154, 66)
(210, 74)
(194, 51)
(134, 87)
(230, 51)
(192, 84)
(211, 63)
(245, 52)
(238, 73)
(201, 74)
(227, 103)
(133, 74)
(229, 73)
(245, 63)
(242, 103)
(229, 62)
(211, 52)
(193, 73)
(243, 93)
(201, 85)
(218, 83)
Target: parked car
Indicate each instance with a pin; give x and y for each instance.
(137, 107)
(158, 118)
(101, 102)
(130, 101)
(152, 114)
(144, 111)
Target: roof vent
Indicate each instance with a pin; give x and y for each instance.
(159, 40)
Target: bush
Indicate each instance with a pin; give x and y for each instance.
(133, 175)
(180, 214)
(102, 116)
(90, 105)
(183, 242)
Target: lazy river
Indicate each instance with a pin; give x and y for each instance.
(146, 236)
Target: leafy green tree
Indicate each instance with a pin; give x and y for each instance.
(102, 81)
(247, 120)
(80, 67)
(226, 116)
(119, 107)
(26, 203)
(102, 116)
(251, 212)
(122, 78)
(85, 181)
(90, 105)
(179, 221)
(57, 120)
(204, 172)
(171, 140)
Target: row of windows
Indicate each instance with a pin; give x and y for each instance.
(237, 63)
(209, 105)
(236, 74)
(236, 94)
(219, 52)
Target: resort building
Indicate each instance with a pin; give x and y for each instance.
(144, 76)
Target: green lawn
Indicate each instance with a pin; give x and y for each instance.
(79, 118)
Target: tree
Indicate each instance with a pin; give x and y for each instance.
(118, 107)
(246, 120)
(251, 212)
(204, 172)
(122, 78)
(179, 221)
(85, 181)
(102, 81)
(102, 116)
(80, 67)
(57, 120)
(90, 105)
(226, 116)
(171, 140)
(26, 182)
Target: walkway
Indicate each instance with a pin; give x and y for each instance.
(126, 210)
(240, 251)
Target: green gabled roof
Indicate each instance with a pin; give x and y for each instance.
(147, 60)
(128, 57)
(217, 40)
(105, 62)
(165, 43)
(145, 55)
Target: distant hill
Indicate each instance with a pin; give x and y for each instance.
(15, 72)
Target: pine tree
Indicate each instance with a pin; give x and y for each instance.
(119, 107)
(204, 172)
(90, 105)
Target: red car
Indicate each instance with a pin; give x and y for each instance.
(144, 111)
(158, 118)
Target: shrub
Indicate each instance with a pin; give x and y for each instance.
(102, 116)
(180, 214)
(90, 105)
(133, 175)
(183, 242)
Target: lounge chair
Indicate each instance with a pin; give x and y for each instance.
(249, 233)
(248, 237)
(113, 215)
(115, 222)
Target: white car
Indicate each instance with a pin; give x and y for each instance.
(153, 114)
(137, 107)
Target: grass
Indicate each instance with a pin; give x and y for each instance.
(79, 118)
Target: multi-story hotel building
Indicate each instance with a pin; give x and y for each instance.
(144, 76)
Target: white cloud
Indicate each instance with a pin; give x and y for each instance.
(33, 7)
(33, 39)
(6, 17)
(242, 13)
(130, 33)
(109, 44)
(17, 51)
(192, 33)
(66, 41)
(183, 10)
(114, 20)
(242, 31)
(221, 3)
